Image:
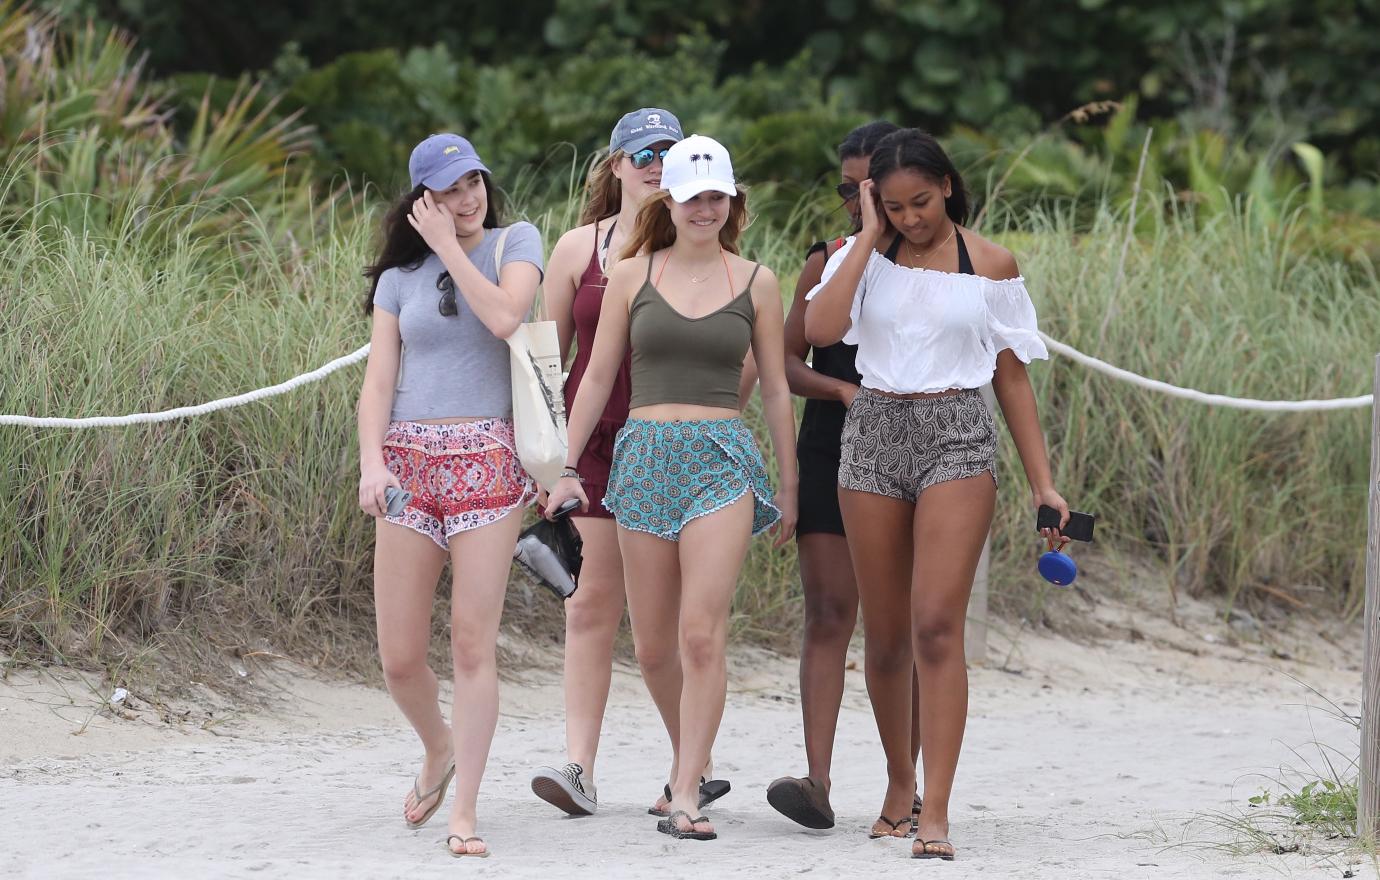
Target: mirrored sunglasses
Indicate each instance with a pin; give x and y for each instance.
(643, 158)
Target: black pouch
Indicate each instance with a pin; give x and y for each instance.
(550, 554)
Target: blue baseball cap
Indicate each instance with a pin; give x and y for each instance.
(442, 159)
(642, 128)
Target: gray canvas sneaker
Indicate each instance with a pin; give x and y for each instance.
(567, 789)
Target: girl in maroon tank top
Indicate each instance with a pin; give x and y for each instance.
(584, 312)
(575, 279)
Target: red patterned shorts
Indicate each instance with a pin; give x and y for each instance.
(461, 476)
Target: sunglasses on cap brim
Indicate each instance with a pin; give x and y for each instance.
(644, 157)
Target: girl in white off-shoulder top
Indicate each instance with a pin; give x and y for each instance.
(917, 477)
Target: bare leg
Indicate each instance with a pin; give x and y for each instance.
(831, 614)
(951, 522)
(407, 565)
(480, 560)
(592, 617)
(652, 569)
(712, 549)
(879, 538)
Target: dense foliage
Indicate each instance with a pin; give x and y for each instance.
(524, 75)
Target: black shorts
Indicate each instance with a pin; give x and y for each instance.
(819, 492)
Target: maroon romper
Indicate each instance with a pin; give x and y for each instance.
(597, 458)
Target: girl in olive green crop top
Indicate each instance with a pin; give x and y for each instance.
(687, 486)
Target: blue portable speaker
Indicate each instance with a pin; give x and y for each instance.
(1057, 568)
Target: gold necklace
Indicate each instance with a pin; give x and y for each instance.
(953, 227)
(694, 280)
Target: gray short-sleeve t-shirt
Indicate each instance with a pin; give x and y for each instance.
(452, 366)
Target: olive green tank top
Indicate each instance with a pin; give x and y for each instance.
(676, 359)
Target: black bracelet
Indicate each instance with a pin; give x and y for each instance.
(572, 473)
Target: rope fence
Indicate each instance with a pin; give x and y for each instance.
(183, 412)
(361, 353)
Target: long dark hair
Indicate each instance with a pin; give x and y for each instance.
(863, 140)
(919, 151)
(404, 246)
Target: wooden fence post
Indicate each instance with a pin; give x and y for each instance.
(975, 633)
(1368, 790)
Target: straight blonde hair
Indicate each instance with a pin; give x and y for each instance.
(603, 191)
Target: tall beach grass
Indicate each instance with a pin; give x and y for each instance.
(238, 531)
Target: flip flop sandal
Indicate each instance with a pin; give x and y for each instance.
(895, 826)
(926, 844)
(803, 801)
(465, 842)
(653, 811)
(713, 789)
(915, 808)
(710, 792)
(669, 826)
(440, 789)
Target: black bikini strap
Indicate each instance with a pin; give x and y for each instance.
(895, 249)
(601, 252)
(965, 263)
(755, 267)
(649, 265)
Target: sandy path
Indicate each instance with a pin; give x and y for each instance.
(1084, 762)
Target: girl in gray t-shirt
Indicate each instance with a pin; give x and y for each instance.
(435, 420)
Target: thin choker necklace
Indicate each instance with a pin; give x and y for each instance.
(953, 227)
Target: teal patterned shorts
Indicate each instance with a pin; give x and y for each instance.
(665, 474)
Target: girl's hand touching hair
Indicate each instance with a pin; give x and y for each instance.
(869, 212)
(433, 222)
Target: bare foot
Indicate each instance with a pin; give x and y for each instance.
(434, 769)
(467, 844)
(462, 839)
(661, 805)
(691, 810)
(932, 839)
(895, 818)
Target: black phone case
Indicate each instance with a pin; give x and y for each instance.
(566, 509)
(1079, 526)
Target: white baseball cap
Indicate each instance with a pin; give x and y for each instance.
(695, 165)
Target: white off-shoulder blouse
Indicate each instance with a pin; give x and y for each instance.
(922, 330)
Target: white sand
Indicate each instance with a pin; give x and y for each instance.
(1082, 761)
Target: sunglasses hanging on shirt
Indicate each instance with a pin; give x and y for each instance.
(446, 285)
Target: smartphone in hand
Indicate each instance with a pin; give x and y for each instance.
(1079, 527)
(570, 506)
(396, 500)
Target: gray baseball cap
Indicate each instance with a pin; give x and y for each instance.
(442, 159)
(642, 128)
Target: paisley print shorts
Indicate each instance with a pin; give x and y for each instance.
(665, 474)
(461, 476)
(899, 448)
